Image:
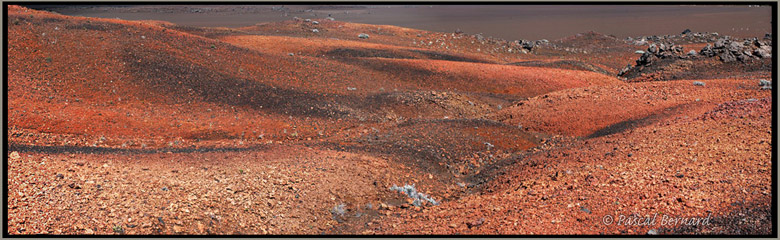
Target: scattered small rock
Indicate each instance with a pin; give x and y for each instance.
(489, 145)
(475, 223)
(584, 209)
(339, 209)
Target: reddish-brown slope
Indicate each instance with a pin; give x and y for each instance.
(66, 73)
(695, 166)
(604, 51)
(451, 43)
(412, 66)
(148, 81)
(605, 109)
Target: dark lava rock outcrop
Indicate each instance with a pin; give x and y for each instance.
(687, 36)
(656, 52)
(666, 58)
(729, 50)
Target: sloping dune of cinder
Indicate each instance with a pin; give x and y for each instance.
(164, 80)
(304, 127)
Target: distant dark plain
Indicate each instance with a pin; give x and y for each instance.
(503, 21)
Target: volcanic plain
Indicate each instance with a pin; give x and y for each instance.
(318, 126)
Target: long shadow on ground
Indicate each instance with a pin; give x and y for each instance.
(106, 150)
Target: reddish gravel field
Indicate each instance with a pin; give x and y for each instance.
(122, 127)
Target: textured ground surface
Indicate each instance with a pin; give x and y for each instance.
(147, 127)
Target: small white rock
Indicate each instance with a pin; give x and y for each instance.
(14, 155)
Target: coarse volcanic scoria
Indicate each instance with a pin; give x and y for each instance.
(120, 127)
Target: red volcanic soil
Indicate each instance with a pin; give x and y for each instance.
(595, 111)
(683, 167)
(148, 127)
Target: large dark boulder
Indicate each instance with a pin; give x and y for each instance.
(528, 45)
(646, 59)
(727, 57)
(707, 51)
(721, 43)
(652, 49)
(625, 70)
(763, 52)
(735, 47)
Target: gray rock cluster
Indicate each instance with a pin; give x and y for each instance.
(730, 50)
(687, 35)
(530, 45)
(363, 36)
(410, 191)
(725, 48)
(765, 84)
(479, 37)
(660, 51)
(656, 52)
